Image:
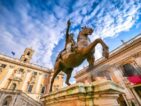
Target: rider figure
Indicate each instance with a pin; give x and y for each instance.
(70, 43)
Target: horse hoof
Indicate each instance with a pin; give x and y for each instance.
(68, 84)
(91, 65)
(105, 54)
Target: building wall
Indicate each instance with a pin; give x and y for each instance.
(25, 75)
(57, 82)
(113, 69)
(16, 98)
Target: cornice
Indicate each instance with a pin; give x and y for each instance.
(27, 65)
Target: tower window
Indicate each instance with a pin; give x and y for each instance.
(28, 53)
(25, 60)
(30, 88)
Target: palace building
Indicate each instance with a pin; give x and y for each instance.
(21, 75)
(122, 67)
(23, 83)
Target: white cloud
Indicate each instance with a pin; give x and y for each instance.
(108, 23)
(43, 34)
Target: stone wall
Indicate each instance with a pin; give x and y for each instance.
(101, 93)
(25, 75)
(16, 98)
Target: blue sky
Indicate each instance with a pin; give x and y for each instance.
(41, 25)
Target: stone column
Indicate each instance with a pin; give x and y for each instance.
(6, 80)
(39, 82)
(137, 97)
(117, 71)
(48, 83)
(27, 79)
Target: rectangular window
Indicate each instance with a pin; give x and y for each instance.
(43, 90)
(3, 65)
(30, 88)
(34, 73)
(46, 75)
(138, 91)
(21, 70)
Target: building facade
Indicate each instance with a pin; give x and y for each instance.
(123, 67)
(16, 98)
(20, 74)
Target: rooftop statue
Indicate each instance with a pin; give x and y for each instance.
(75, 53)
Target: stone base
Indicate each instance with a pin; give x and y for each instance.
(99, 93)
(16, 98)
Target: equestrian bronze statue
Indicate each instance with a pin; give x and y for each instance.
(75, 53)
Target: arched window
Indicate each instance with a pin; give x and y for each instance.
(43, 90)
(129, 70)
(121, 100)
(7, 101)
(13, 86)
(30, 88)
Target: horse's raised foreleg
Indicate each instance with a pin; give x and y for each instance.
(105, 48)
(68, 72)
(89, 48)
(57, 69)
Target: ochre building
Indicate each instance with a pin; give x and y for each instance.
(123, 67)
(21, 75)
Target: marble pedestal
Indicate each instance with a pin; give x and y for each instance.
(98, 93)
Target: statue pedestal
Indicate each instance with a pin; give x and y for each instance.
(98, 93)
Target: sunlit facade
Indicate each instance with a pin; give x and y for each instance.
(123, 67)
(20, 74)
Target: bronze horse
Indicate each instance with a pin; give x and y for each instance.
(84, 50)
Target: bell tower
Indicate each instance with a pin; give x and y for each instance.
(27, 56)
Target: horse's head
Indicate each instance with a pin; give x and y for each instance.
(86, 30)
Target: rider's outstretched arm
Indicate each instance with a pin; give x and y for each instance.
(67, 31)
